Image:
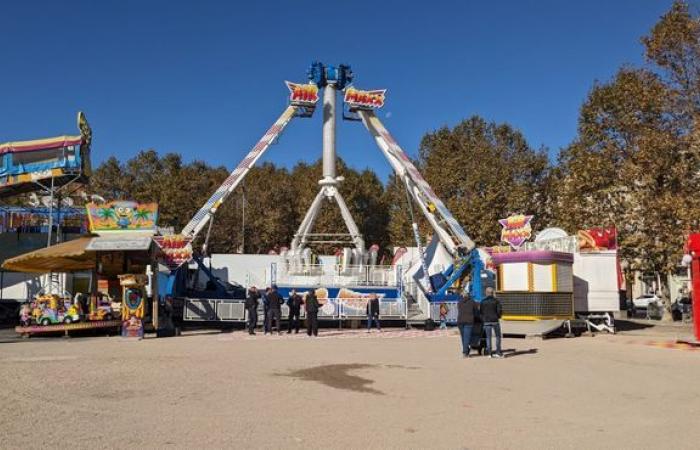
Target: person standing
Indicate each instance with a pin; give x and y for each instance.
(373, 312)
(312, 307)
(294, 303)
(274, 300)
(491, 312)
(251, 305)
(467, 311)
(266, 310)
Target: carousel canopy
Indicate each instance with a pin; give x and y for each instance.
(68, 256)
(78, 254)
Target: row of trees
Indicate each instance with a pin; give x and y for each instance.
(634, 164)
(266, 209)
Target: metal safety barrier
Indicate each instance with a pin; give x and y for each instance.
(206, 309)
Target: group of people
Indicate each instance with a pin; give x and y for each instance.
(487, 313)
(472, 317)
(272, 309)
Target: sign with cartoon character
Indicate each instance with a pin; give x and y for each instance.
(516, 230)
(122, 216)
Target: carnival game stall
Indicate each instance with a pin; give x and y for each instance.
(120, 255)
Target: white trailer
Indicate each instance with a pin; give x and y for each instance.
(596, 289)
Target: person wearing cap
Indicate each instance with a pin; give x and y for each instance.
(274, 300)
(251, 306)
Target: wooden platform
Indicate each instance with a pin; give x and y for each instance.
(530, 328)
(67, 328)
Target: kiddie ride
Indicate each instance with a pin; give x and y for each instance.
(52, 312)
(466, 267)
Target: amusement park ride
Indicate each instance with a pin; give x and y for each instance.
(467, 261)
(49, 166)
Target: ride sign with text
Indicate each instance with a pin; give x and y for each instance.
(356, 98)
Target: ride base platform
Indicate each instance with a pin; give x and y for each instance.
(67, 328)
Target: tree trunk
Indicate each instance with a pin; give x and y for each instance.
(667, 315)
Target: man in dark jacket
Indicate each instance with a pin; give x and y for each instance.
(467, 310)
(251, 306)
(312, 307)
(294, 304)
(274, 313)
(373, 312)
(491, 312)
(266, 310)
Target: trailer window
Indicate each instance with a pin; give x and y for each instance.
(37, 156)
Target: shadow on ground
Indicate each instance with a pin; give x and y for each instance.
(511, 352)
(632, 325)
(338, 376)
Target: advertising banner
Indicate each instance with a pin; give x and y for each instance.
(122, 216)
(516, 230)
(597, 239)
(357, 99)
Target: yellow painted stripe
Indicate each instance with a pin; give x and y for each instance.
(555, 281)
(530, 277)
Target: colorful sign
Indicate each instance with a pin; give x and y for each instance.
(516, 230)
(302, 94)
(354, 300)
(176, 249)
(596, 239)
(133, 304)
(357, 99)
(122, 216)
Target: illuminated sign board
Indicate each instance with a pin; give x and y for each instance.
(516, 230)
(176, 249)
(358, 99)
(302, 94)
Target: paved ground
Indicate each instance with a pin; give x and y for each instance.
(349, 390)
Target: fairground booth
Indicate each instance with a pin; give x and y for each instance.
(557, 276)
(120, 256)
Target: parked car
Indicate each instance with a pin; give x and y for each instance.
(642, 302)
(683, 306)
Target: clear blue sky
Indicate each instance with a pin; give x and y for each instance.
(205, 78)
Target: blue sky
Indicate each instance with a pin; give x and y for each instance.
(206, 78)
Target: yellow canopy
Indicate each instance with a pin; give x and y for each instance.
(68, 256)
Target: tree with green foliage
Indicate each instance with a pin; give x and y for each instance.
(483, 172)
(634, 163)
